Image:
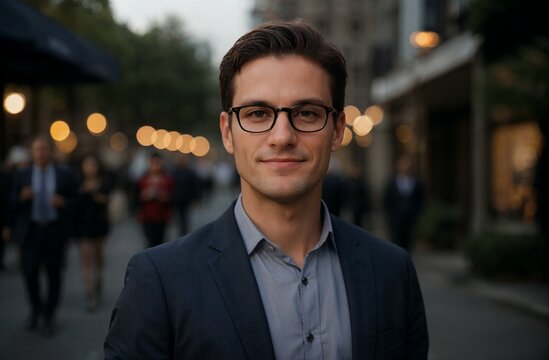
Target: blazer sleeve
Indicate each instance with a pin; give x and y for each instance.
(140, 327)
(417, 337)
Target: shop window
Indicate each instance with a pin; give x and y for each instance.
(515, 150)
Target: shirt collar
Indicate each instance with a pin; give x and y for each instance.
(253, 236)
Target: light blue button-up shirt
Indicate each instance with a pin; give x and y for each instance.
(50, 185)
(306, 308)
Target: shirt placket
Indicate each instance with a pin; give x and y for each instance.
(43, 209)
(310, 308)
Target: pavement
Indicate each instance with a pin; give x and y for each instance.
(80, 334)
(529, 296)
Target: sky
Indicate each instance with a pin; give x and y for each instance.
(219, 22)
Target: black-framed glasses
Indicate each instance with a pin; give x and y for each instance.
(262, 118)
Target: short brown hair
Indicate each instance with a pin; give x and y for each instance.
(281, 39)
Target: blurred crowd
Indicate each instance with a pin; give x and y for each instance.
(50, 204)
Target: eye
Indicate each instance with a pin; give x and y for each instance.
(307, 112)
(256, 113)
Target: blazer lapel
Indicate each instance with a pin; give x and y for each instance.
(235, 279)
(358, 274)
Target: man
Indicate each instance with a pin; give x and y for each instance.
(403, 200)
(275, 276)
(4, 202)
(186, 190)
(41, 198)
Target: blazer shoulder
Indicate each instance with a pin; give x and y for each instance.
(184, 250)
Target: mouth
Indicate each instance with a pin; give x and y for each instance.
(283, 163)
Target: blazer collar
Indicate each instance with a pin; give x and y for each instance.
(358, 274)
(231, 268)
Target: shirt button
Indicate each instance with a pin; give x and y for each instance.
(310, 337)
(305, 281)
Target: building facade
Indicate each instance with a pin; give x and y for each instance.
(417, 60)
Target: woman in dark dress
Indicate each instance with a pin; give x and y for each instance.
(91, 226)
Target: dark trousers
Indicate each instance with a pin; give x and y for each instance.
(2, 250)
(43, 247)
(401, 233)
(154, 232)
(183, 212)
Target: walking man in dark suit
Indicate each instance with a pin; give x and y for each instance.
(276, 276)
(41, 197)
(403, 201)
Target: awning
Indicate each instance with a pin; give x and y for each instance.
(449, 56)
(36, 50)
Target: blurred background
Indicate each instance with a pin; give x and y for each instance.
(458, 88)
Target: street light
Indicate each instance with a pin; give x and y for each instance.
(424, 39)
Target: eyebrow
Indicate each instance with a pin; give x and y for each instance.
(314, 101)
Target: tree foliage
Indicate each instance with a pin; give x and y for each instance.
(167, 79)
(508, 25)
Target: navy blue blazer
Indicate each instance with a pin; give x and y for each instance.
(65, 186)
(197, 298)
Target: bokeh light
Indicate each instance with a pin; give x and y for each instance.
(184, 143)
(144, 135)
(68, 144)
(96, 123)
(404, 134)
(173, 138)
(59, 130)
(362, 125)
(162, 139)
(375, 113)
(199, 146)
(347, 137)
(118, 141)
(364, 141)
(424, 39)
(351, 113)
(14, 103)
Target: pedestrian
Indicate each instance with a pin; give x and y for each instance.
(4, 228)
(333, 188)
(41, 201)
(155, 190)
(358, 195)
(403, 201)
(275, 276)
(92, 226)
(186, 190)
(17, 159)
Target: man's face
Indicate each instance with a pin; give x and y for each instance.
(283, 164)
(155, 165)
(41, 153)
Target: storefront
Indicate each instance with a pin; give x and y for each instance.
(472, 156)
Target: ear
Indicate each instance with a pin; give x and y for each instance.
(339, 129)
(226, 133)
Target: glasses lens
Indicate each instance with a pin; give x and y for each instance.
(256, 118)
(309, 117)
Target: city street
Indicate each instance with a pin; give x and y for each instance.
(463, 323)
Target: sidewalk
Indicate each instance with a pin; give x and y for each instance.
(530, 296)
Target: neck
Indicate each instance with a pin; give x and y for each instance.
(294, 226)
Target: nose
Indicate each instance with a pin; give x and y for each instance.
(282, 134)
